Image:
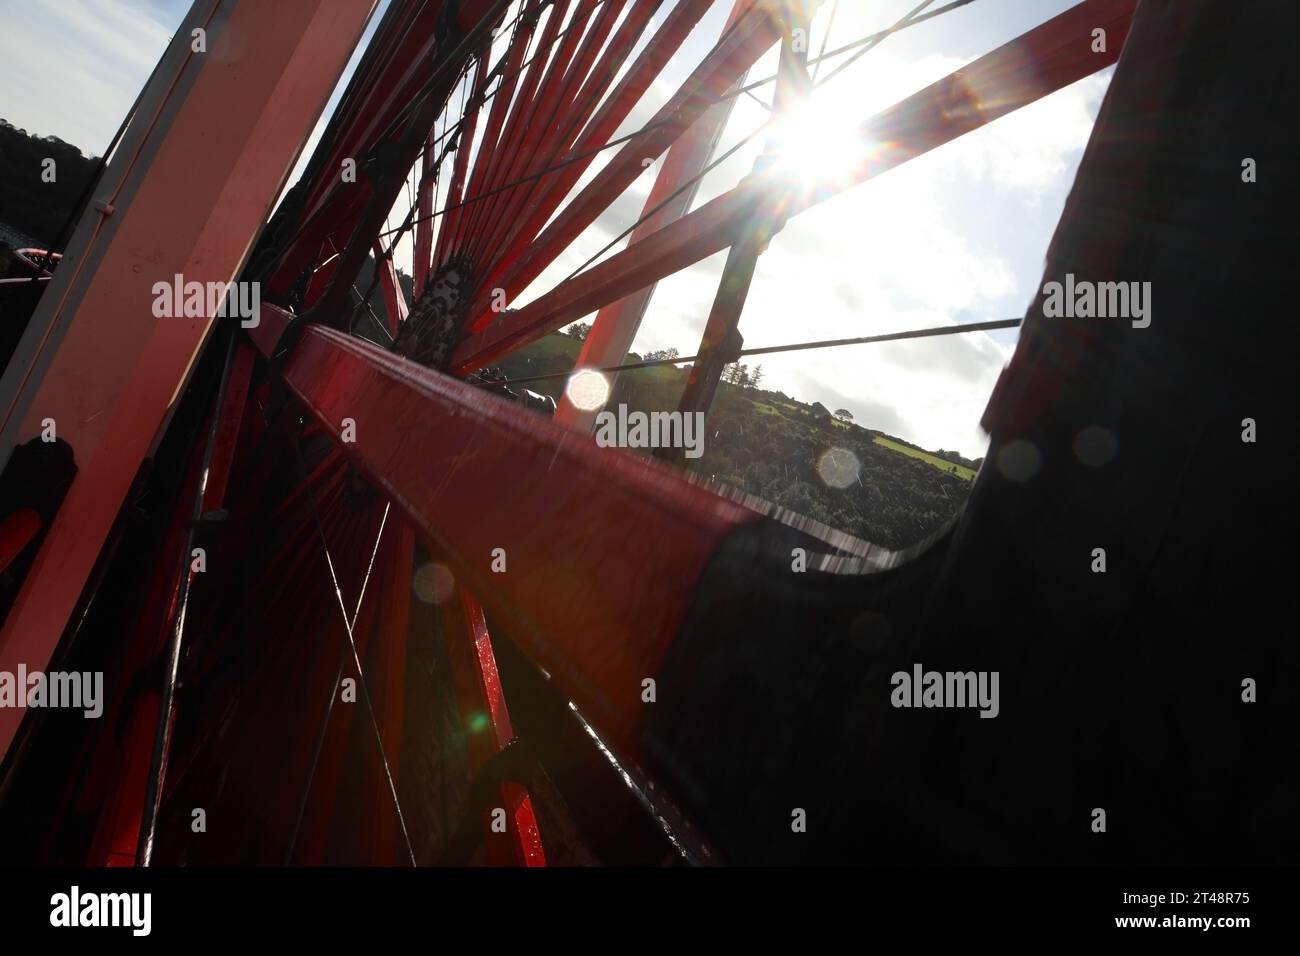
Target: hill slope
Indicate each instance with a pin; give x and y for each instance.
(770, 445)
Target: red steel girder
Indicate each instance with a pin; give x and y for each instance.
(220, 134)
(491, 474)
(395, 307)
(488, 729)
(1039, 62)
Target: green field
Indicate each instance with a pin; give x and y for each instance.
(961, 471)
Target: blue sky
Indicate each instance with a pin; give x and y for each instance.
(956, 236)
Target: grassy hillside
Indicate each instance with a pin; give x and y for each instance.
(770, 445)
(961, 471)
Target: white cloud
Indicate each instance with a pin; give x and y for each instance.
(72, 68)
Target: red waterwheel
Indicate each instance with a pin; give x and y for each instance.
(336, 690)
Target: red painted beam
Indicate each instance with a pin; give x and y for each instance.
(1040, 62)
(486, 721)
(472, 472)
(185, 192)
(17, 531)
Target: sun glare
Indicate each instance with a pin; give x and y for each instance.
(819, 143)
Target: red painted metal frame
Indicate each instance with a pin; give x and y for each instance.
(387, 99)
(123, 775)
(470, 472)
(487, 727)
(1028, 68)
(95, 358)
(393, 623)
(562, 508)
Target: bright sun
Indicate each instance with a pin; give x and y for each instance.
(819, 142)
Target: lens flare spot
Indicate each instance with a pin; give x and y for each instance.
(433, 583)
(587, 390)
(838, 467)
(1019, 460)
(1096, 446)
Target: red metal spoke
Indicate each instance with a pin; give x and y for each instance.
(483, 711)
(616, 108)
(616, 326)
(545, 137)
(586, 102)
(735, 53)
(1026, 69)
(424, 224)
(460, 168)
(395, 306)
(536, 92)
(485, 154)
(331, 205)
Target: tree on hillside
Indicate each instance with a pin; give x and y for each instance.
(579, 331)
(843, 414)
(41, 179)
(738, 373)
